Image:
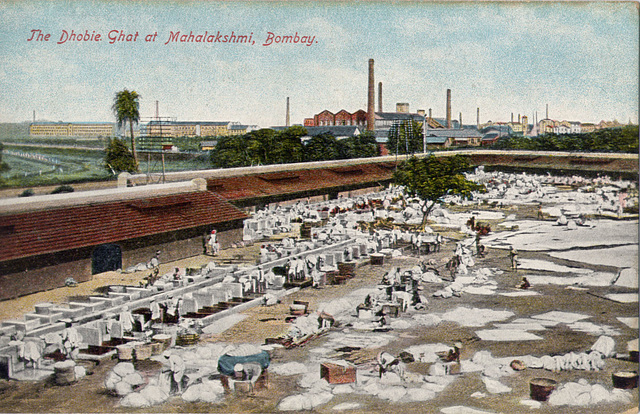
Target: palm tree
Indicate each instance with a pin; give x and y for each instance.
(126, 108)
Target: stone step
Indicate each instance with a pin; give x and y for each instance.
(44, 308)
(45, 318)
(24, 325)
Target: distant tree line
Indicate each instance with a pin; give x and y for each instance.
(267, 146)
(624, 139)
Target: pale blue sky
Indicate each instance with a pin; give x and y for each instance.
(580, 58)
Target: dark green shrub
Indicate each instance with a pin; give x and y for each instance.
(63, 189)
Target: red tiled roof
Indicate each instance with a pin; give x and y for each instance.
(39, 232)
(269, 184)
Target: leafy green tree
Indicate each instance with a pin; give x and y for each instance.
(261, 145)
(290, 148)
(431, 178)
(126, 107)
(118, 158)
(362, 146)
(321, 147)
(405, 138)
(624, 139)
(230, 151)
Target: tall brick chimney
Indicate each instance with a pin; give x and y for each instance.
(380, 97)
(460, 120)
(287, 120)
(448, 108)
(478, 118)
(371, 100)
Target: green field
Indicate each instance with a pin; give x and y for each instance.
(75, 165)
(72, 166)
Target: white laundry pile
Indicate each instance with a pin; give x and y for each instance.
(546, 236)
(591, 279)
(630, 322)
(427, 353)
(474, 316)
(507, 335)
(582, 394)
(346, 406)
(206, 391)
(289, 368)
(623, 297)
(123, 379)
(593, 360)
(535, 264)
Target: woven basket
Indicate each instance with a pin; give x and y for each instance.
(187, 339)
(125, 352)
(143, 351)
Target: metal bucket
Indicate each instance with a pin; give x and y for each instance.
(625, 379)
(541, 388)
(377, 259)
(163, 339)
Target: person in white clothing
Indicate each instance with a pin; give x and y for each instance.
(172, 372)
(214, 246)
(71, 341)
(126, 319)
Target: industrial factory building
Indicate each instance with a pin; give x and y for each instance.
(173, 129)
(439, 132)
(72, 129)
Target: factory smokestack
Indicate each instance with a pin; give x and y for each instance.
(157, 111)
(478, 118)
(380, 97)
(448, 108)
(371, 98)
(34, 116)
(547, 117)
(429, 113)
(460, 120)
(512, 117)
(287, 117)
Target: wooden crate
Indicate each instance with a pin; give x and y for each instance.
(347, 269)
(337, 374)
(391, 310)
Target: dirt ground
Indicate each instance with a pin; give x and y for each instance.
(89, 395)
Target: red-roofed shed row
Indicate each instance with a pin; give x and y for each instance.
(40, 249)
(264, 188)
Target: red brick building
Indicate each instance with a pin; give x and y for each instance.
(343, 117)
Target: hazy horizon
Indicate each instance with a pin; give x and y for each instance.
(580, 58)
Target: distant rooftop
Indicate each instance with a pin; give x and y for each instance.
(70, 122)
